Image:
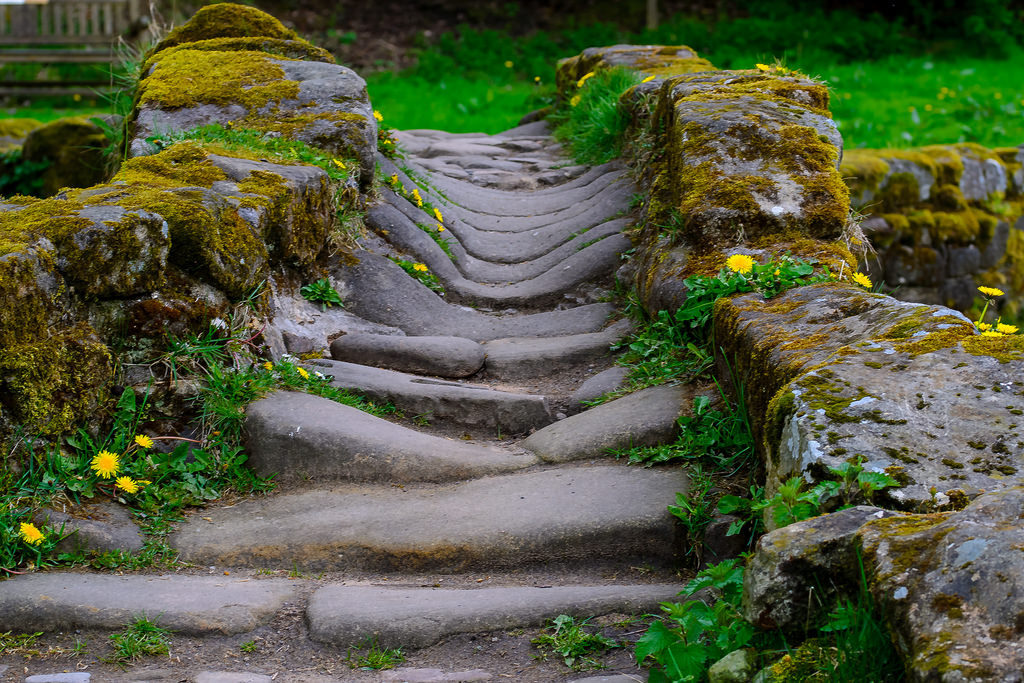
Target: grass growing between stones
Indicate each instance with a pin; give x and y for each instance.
(141, 638)
(372, 657)
(592, 124)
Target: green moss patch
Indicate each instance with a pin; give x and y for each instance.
(226, 20)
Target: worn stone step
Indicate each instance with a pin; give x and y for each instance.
(609, 513)
(646, 418)
(418, 617)
(520, 357)
(453, 357)
(463, 404)
(377, 290)
(592, 262)
(300, 437)
(196, 605)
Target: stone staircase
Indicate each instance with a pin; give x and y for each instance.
(498, 506)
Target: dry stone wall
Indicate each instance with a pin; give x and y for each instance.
(750, 162)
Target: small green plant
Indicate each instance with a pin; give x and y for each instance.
(248, 646)
(434, 233)
(573, 643)
(323, 292)
(139, 639)
(421, 273)
(375, 657)
(695, 509)
(693, 634)
(593, 123)
(28, 646)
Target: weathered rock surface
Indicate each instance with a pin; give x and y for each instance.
(103, 527)
(529, 356)
(646, 418)
(464, 404)
(300, 437)
(601, 513)
(953, 587)
(418, 617)
(188, 604)
(796, 570)
(597, 386)
(438, 356)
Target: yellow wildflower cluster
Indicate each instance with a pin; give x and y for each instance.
(420, 267)
(415, 195)
(377, 115)
(574, 100)
(987, 330)
(106, 465)
(862, 280)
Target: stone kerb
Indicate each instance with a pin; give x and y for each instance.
(944, 219)
(179, 235)
(835, 374)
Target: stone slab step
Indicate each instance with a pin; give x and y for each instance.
(609, 513)
(519, 357)
(646, 418)
(453, 357)
(298, 436)
(418, 617)
(196, 605)
(377, 290)
(463, 404)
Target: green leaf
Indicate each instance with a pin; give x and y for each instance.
(657, 639)
(875, 481)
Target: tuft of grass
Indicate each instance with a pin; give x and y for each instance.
(573, 643)
(375, 658)
(592, 124)
(139, 639)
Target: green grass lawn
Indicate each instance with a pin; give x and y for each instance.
(894, 102)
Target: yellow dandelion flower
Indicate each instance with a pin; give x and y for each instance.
(377, 115)
(579, 83)
(339, 163)
(1006, 329)
(536, 79)
(648, 79)
(983, 327)
(991, 333)
(415, 194)
(105, 464)
(509, 64)
(440, 228)
(990, 291)
(268, 365)
(393, 179)
(776, 273)
(302, 373)
(143, 482)
(437, 215)
(127, 484)
(143, 441)
(763, 67)
(862, 280)
(30, 534)
(420, 267)
(740, 263)
(574, 100)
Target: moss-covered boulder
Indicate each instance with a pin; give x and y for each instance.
(952, 588)
(750, 155)
(32, 291)
(650, 60)
(14, 131)
(75, 149)
(226, 20)
(261, 79)
(49, 384)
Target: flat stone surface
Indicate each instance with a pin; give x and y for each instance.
(608, 512)
(230, 677)
(378, 290)
(76, 677)
(464, 404)
(600, 384)
(948, 420)
(646, 418)
(418, 617)
(195, 605)
(535, 356)
(437, 356)
(102, 526)
(616, 678)
(299, 436)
